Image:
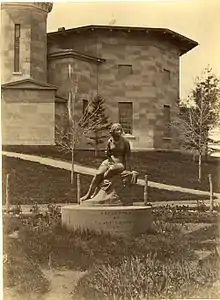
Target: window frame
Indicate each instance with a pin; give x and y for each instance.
(167, 120)
(17, 36)
(84, 106)
(167, 74)
(122, 119)
(125, 73)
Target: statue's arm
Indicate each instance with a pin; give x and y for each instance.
(128, 156)
(108, 150)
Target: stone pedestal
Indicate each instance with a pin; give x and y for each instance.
(116, 220)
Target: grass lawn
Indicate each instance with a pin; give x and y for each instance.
(158, 265)
(32, 182)
(21, 271)
(161, 264)
(164, 167)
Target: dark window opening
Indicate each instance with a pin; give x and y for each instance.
(166, 74)
(126, 116)
(85, 104)
(17, 47)
(167, 127)
(125, 70)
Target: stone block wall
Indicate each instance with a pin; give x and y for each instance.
(85, 42)
(61, 120)
(9, 18)
(87, 85)
(149, 87)
(86, 72)
(25, 119)
(33, 46)
(39, 45)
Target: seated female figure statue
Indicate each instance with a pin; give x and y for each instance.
(118, 159)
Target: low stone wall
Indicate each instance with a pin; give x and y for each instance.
(116, 220)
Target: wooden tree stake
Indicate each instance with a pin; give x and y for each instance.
(145, 189)
(211, 192)
(78, 187)
(7, 200)
(50, 261)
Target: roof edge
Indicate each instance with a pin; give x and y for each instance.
(60, 99)
(39, 84)
(186, 44)
(76, 54)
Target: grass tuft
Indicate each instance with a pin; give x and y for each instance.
(147, 277)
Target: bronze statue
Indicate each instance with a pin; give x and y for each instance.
(118, 154)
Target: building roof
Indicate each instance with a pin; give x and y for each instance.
(28, 83)
(183, 43)
(63, 53)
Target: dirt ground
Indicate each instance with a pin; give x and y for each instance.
(62, 283)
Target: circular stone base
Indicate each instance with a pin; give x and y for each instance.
(116, 220)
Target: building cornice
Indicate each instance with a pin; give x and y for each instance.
(45, 6)
(60, 99)
(183, 43)
(64, 53)
(28, 83)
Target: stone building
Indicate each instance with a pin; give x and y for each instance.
(135, 69)
(28, 101)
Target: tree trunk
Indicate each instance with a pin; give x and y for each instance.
(200, 167)
(206, 156)
(194, 157)
(96, 150)
(211, 192)
(72, 161)
(96, 144)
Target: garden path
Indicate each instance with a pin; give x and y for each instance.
(62, 283)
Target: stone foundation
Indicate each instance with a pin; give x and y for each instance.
(116, 220)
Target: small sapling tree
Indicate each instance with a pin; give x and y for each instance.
(76, 126)
(199, 115)
(96, 122)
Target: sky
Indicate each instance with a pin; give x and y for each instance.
(195, 19)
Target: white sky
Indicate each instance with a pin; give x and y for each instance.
(196, 19)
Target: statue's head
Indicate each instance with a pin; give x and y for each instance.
(116, 130)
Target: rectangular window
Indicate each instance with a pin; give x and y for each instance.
(17, 47)
(126, 116)
(85, 104)
(167, 128)
(166, 74)
(125, 70)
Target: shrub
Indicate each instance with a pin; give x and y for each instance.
(185, 214)
(10, 223)
(85, 249)
(144, 278)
